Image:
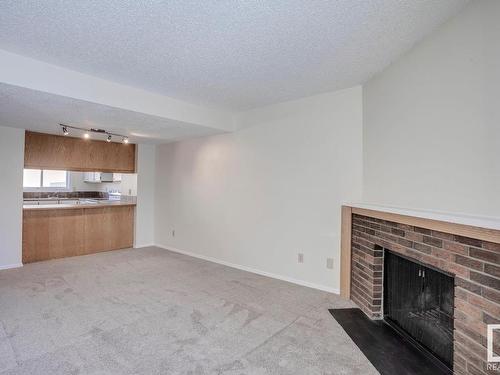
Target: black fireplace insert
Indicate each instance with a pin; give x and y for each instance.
(418, 302)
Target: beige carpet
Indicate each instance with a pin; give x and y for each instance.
(151, 311)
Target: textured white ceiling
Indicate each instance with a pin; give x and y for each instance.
(42, 112)
(226, 53)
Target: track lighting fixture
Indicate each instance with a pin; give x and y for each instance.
(87, 132)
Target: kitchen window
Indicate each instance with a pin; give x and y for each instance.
(45, 180)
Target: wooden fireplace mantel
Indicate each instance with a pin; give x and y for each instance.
(485, 229)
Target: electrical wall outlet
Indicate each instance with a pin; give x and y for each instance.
(329, 263)
(300, 258)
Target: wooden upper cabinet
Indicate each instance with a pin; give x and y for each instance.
(46, 151)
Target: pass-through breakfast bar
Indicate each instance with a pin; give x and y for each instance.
(82, 218)
(77, 227)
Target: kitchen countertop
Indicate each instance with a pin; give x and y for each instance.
(68, 206)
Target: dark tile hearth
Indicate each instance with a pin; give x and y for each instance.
(387, 350)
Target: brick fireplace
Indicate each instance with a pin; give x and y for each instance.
(473, 262)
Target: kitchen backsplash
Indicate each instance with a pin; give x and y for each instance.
(66, 194)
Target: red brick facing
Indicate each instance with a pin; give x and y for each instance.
(474, 263)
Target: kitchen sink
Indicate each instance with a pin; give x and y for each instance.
(87, 201)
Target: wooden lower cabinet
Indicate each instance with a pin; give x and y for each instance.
(60, 233)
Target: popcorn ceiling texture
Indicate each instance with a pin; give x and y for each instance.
(230, 54)
(41, 111)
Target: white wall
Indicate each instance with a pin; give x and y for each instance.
(432, 120)
(11, 196)
(259, 196)
(145, 208)
(128, 184)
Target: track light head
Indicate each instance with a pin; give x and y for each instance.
(125, 139)
(65, 130)
(109, 138)
(86, 135)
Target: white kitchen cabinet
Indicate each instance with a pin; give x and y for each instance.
(92, 177)
(106, 177)
(98, 177)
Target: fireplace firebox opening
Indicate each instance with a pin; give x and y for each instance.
(418, 302)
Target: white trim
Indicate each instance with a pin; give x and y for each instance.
(9, 266)
(488, 222)
(253, 270)
(137, 246)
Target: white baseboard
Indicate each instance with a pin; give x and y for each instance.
(9, 266)
(253, 270)
(139, 246)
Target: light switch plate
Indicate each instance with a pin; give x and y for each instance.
(329, 263)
